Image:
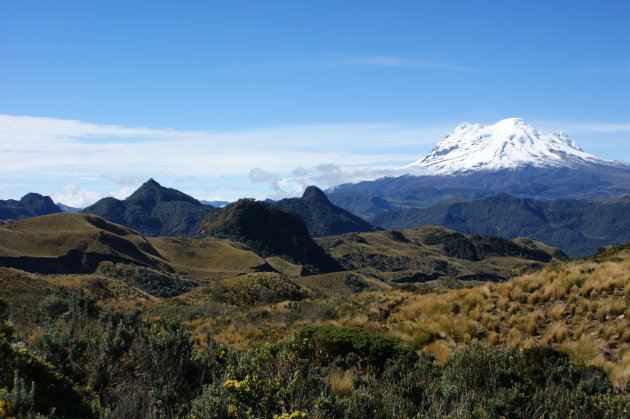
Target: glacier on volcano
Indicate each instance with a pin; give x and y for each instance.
(510, 143)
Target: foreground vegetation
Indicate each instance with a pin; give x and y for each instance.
(581, 308)
(553, 342)
(124, 366)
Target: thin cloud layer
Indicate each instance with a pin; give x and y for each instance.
(86, 160)
(393, 61)
(78, 162)
(45, 146)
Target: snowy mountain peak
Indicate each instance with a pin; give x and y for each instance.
(509, 143)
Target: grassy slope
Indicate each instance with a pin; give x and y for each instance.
(206, 258)
(409, 256)
(53, 236)
(580, 307)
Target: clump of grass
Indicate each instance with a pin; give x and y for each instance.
(342, 382)
(556, 333)
(584, 351)
(494, 338)
(514, 338)
(440, 350)
(557, 311)
(529, 324)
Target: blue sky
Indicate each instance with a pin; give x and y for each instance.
(224, 99)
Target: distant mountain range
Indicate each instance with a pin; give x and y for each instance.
(68, 208)
(154, 210)
(506, 179)
(475, 162)
(30, 205)
(321, 216)
(578, 227)
(556, 189)
(216, 204)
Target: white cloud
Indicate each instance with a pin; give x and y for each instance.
(51, 147)
(258, 175)
(394, 61)
(74, 196)
(324, 176)
(94, 160)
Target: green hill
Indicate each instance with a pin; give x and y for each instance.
(269, 231)
(30, 205)
(154, 210)
(436, 253)
(73, 243)
(577, 227)
(322, 217)
(80, 243)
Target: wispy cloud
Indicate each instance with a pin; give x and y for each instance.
(75, 196)
(78, 162)
(395, 61)
(578, 128)
(324, 176)
(44, 146)
(86, 157)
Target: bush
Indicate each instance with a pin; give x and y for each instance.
(325, 343)
(35, 387)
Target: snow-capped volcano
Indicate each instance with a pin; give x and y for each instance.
(509, 143)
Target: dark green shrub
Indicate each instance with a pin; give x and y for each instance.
(325, 343)
(53, 306)
(37, 387)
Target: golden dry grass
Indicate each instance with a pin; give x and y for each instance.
(207, 258)
(548, 307)
(580, 307)
(342, 382)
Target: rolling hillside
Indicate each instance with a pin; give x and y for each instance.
(435, 254)
(577, 227)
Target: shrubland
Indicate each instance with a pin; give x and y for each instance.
(551, 342)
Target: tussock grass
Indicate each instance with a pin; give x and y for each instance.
(342, 382)
(580, 307)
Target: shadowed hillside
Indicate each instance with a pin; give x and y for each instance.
(435, 253)
(30, 205)
(577, 227)
(269, 231)
(585, 182)
(154, 210)
(322, 217)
